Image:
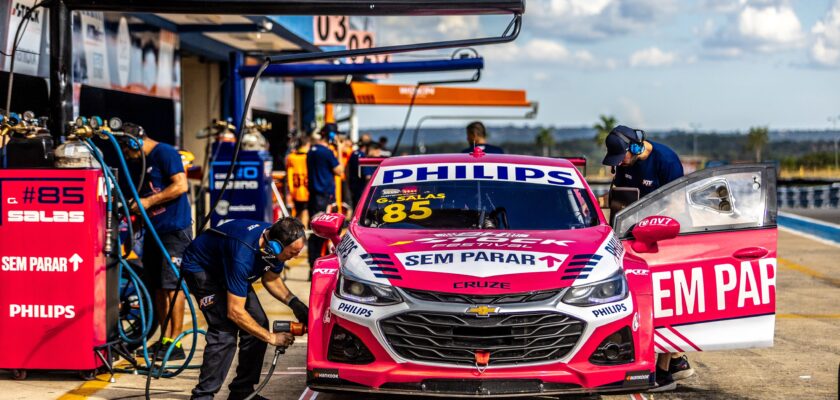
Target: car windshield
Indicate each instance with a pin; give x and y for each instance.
(478, 204)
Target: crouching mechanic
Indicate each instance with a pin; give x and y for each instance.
(219, 267)
(647, 166)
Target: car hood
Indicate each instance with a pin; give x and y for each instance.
(480, 261)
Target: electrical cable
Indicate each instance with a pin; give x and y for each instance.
(239, 129)
(23, 22)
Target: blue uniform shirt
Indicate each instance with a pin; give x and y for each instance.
(234, 255)
(320, 162)
(488, 148)
(661, 166)
(163, 162)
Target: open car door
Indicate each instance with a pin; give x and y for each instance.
(714, 285)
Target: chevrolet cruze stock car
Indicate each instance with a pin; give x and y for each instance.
(496, 275)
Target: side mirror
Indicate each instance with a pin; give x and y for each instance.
(328, 226)
(651, 230)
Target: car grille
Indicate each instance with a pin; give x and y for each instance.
(482, 299)
(516, 338)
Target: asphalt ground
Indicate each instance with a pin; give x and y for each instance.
(803, 363)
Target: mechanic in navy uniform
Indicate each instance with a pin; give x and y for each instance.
(219, 268)
(477, 137)
(645, 165)
(164, 197)
(323, 166)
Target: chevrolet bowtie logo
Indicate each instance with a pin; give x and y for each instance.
(482, 311)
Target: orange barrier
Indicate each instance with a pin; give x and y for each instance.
(400, 95)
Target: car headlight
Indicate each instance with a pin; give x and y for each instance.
(609, 290)
(354, 289)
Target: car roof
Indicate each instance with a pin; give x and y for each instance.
(470, 158)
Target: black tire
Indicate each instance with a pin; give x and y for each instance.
(19, 374)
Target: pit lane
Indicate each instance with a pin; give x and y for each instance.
(802, 364)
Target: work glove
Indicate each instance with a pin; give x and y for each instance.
(301, 310)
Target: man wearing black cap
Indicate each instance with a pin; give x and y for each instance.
(640, 163)
(645, 165)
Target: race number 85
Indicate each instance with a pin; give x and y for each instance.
(396, 212)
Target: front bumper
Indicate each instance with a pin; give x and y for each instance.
(390, 373)
(475, 388)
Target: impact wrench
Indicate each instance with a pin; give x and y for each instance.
(295, 328)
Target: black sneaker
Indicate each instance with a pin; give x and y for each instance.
(680, 368)
(176, 354)
(241, 396)
(664, 381)
(153, 349)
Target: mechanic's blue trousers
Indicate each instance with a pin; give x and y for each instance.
(221, 340)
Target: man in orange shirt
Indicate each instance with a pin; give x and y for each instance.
(296, 177)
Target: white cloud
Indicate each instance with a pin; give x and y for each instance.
(825, 49)
(632, 113)
(756, 26)
(595, 19)
(723, 6)
(541, 76)
(545, 51)
(771, 26)
(652, 57)
(459, 26)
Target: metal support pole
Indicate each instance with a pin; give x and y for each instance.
(61, 68)
(236, 85)
(354, 124)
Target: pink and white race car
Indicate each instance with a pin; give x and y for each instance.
(467, 275)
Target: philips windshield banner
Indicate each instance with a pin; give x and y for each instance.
(525, 173)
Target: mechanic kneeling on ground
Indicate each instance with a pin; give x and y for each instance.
(645, 165)
(219, 268)
(164, 197)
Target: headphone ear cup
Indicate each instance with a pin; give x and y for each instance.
(275, 246)
(636, 148)
(135, 144)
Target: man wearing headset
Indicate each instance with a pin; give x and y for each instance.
(164, 197)
(219, 267)
(645, 165)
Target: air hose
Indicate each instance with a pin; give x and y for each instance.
(295, 328)
(144, 299)
(142, 291)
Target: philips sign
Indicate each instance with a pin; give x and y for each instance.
(537, 174)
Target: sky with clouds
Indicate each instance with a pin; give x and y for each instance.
(654, 64)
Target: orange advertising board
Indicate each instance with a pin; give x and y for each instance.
(376, 94)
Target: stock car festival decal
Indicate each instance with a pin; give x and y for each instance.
(537, 174)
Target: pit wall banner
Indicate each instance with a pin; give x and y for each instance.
(110, 50)
(113, 55)
(32, 40)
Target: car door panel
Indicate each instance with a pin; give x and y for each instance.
(714, 285)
